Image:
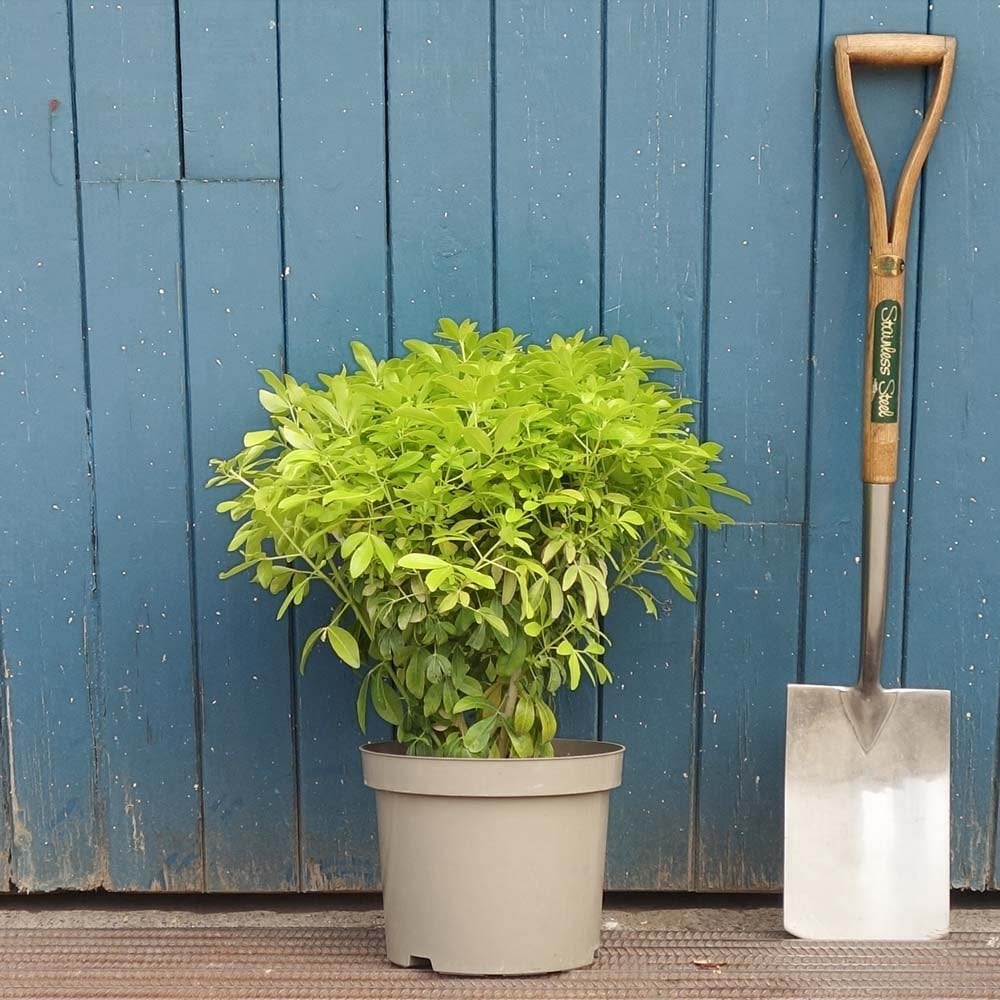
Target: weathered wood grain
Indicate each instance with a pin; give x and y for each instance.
(229, 92)
(954, 572)
(232, 273)
(145, 640)
(653, 265)
(126, 89)
(548, 149)
(548, 212)
(750, 650)
(48, 602)
(440, 170)
(333, 129)
(762, 149)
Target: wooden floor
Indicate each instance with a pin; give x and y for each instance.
(290, 948)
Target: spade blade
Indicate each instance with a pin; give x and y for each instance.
(867, 831)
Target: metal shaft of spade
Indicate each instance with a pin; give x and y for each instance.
(867, 704)
(875, 539)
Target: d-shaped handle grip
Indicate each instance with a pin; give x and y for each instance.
(888, 234)
(897, 49)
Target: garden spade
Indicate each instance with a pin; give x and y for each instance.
(867, 769)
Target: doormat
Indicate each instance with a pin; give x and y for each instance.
(346, 963)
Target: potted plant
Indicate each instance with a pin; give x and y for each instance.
(468, 510)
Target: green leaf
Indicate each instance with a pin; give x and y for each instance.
(361, 558)
(424, 349)
(361, 705)
(437, 667)
(272, 380)
(522, 744)
(271, 402)
(524, 715)
(307, 648)
(421, 560)
(344, 645)
(573, 663)
(469, 685)
(646, 598)
(438, 576)
(447, 328)
(479, 734)
(384, 553)
(532, 629)
(479, 439)
(448, 697)
(555, 599)
(364, 358)
(448, 601)
(351, 542)
(408, 460)
(235, 570)
(289, 597)
(295, 437)
(506, 430)
(494, 621)
(479, 579)
(551, 549)
(385, 700)
(252, 438)
(477, 702)
(589, 595)
(432, 700)
(415, 678)
(546, 720)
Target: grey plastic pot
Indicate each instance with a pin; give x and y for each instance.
(493, 867)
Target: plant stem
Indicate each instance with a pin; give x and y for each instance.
(509, 702)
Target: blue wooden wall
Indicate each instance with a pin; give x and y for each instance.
(191, 190)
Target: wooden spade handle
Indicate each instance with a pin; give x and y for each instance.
(896, 50)
(887, 250)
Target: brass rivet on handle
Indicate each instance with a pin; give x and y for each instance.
(888, 265)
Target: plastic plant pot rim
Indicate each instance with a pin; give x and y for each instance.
(579, 767)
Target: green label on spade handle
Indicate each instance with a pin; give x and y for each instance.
(885, 362)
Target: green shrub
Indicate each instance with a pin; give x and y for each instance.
(471, 506)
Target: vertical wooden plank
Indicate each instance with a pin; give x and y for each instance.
(548, 167)
(139, 425)
(232, 253)
(334, 180)
(47, 600)
(548, 148)
(759, 308)
(229, 88)
(441, 164)
(653, 274)
(752, 613)
(332, 59)
(126, 89)
(888, 100)
(6, 819)
(954, 581)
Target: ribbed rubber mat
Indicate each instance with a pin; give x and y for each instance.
(297, 963)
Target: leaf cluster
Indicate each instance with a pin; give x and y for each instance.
(470, 507)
